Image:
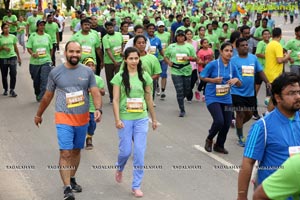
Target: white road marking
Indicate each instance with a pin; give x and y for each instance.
(217, 158)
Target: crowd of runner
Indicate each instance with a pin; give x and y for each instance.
(216, 52)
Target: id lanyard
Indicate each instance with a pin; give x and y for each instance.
(230, 69)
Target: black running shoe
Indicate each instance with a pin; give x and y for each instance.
(5, 93)
(75, 186)
(89, 143)
(68, 194)
(12, 93)
(38, 99)
(181, 114)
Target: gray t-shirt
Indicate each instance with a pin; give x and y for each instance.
(71, 86)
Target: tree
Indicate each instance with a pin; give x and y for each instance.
(6, 4)
(69, 3)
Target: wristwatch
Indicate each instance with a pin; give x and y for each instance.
(100, 110)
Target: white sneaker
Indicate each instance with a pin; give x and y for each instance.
(157, 90)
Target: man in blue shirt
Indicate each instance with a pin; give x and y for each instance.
(273, 140)
(155, 42)
(94, 8)
(176, 25)
(155, 47)
(243, 98)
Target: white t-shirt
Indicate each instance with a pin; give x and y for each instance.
(130, 44)
(60, 20)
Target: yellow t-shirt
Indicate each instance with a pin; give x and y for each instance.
(273, 69)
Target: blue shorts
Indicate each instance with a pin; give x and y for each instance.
(164, 69)
(71, 137)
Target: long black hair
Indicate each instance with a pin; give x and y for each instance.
(138, 37)
(2, 27)
(125, 74)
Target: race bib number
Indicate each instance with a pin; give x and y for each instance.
(169, 29)
(125, 38)
(130, 29)
(117, 51)
(75, 99)
(41, 52)
(152, 50)
(86, 50)
(179, 57)
(134, 105)
(294, 150)
(199, 43)
(232, 29)
(164, 46)
(222, 90)
(247, 70)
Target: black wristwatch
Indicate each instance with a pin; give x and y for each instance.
(100, 110)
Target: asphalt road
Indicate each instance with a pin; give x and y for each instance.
(177, 166)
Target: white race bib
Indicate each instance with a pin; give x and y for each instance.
(164, 45)
(294, 150)
(134, 105)
(41, 52)
(130, 29)
(117, 50)
(152, 49)
(247, 70)
(75, 99)
(222, 90)
(86, 50)
(179, 57)
(125, 38)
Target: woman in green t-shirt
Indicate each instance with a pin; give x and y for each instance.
(131, 102)
(150, 62)
(21, 32)
(39, 46)
(8, 59)
(178, 56)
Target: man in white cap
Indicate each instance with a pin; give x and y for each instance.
(165, 38)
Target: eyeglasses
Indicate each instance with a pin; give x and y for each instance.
(292, 93)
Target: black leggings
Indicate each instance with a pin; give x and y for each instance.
(8, 64)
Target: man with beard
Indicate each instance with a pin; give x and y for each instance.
(112, 44)
(186, 25)
(272, 139)
(245, 30)
(243, 97)
(89, 41)
(31, 22)
(72, 82)
(176, 25)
